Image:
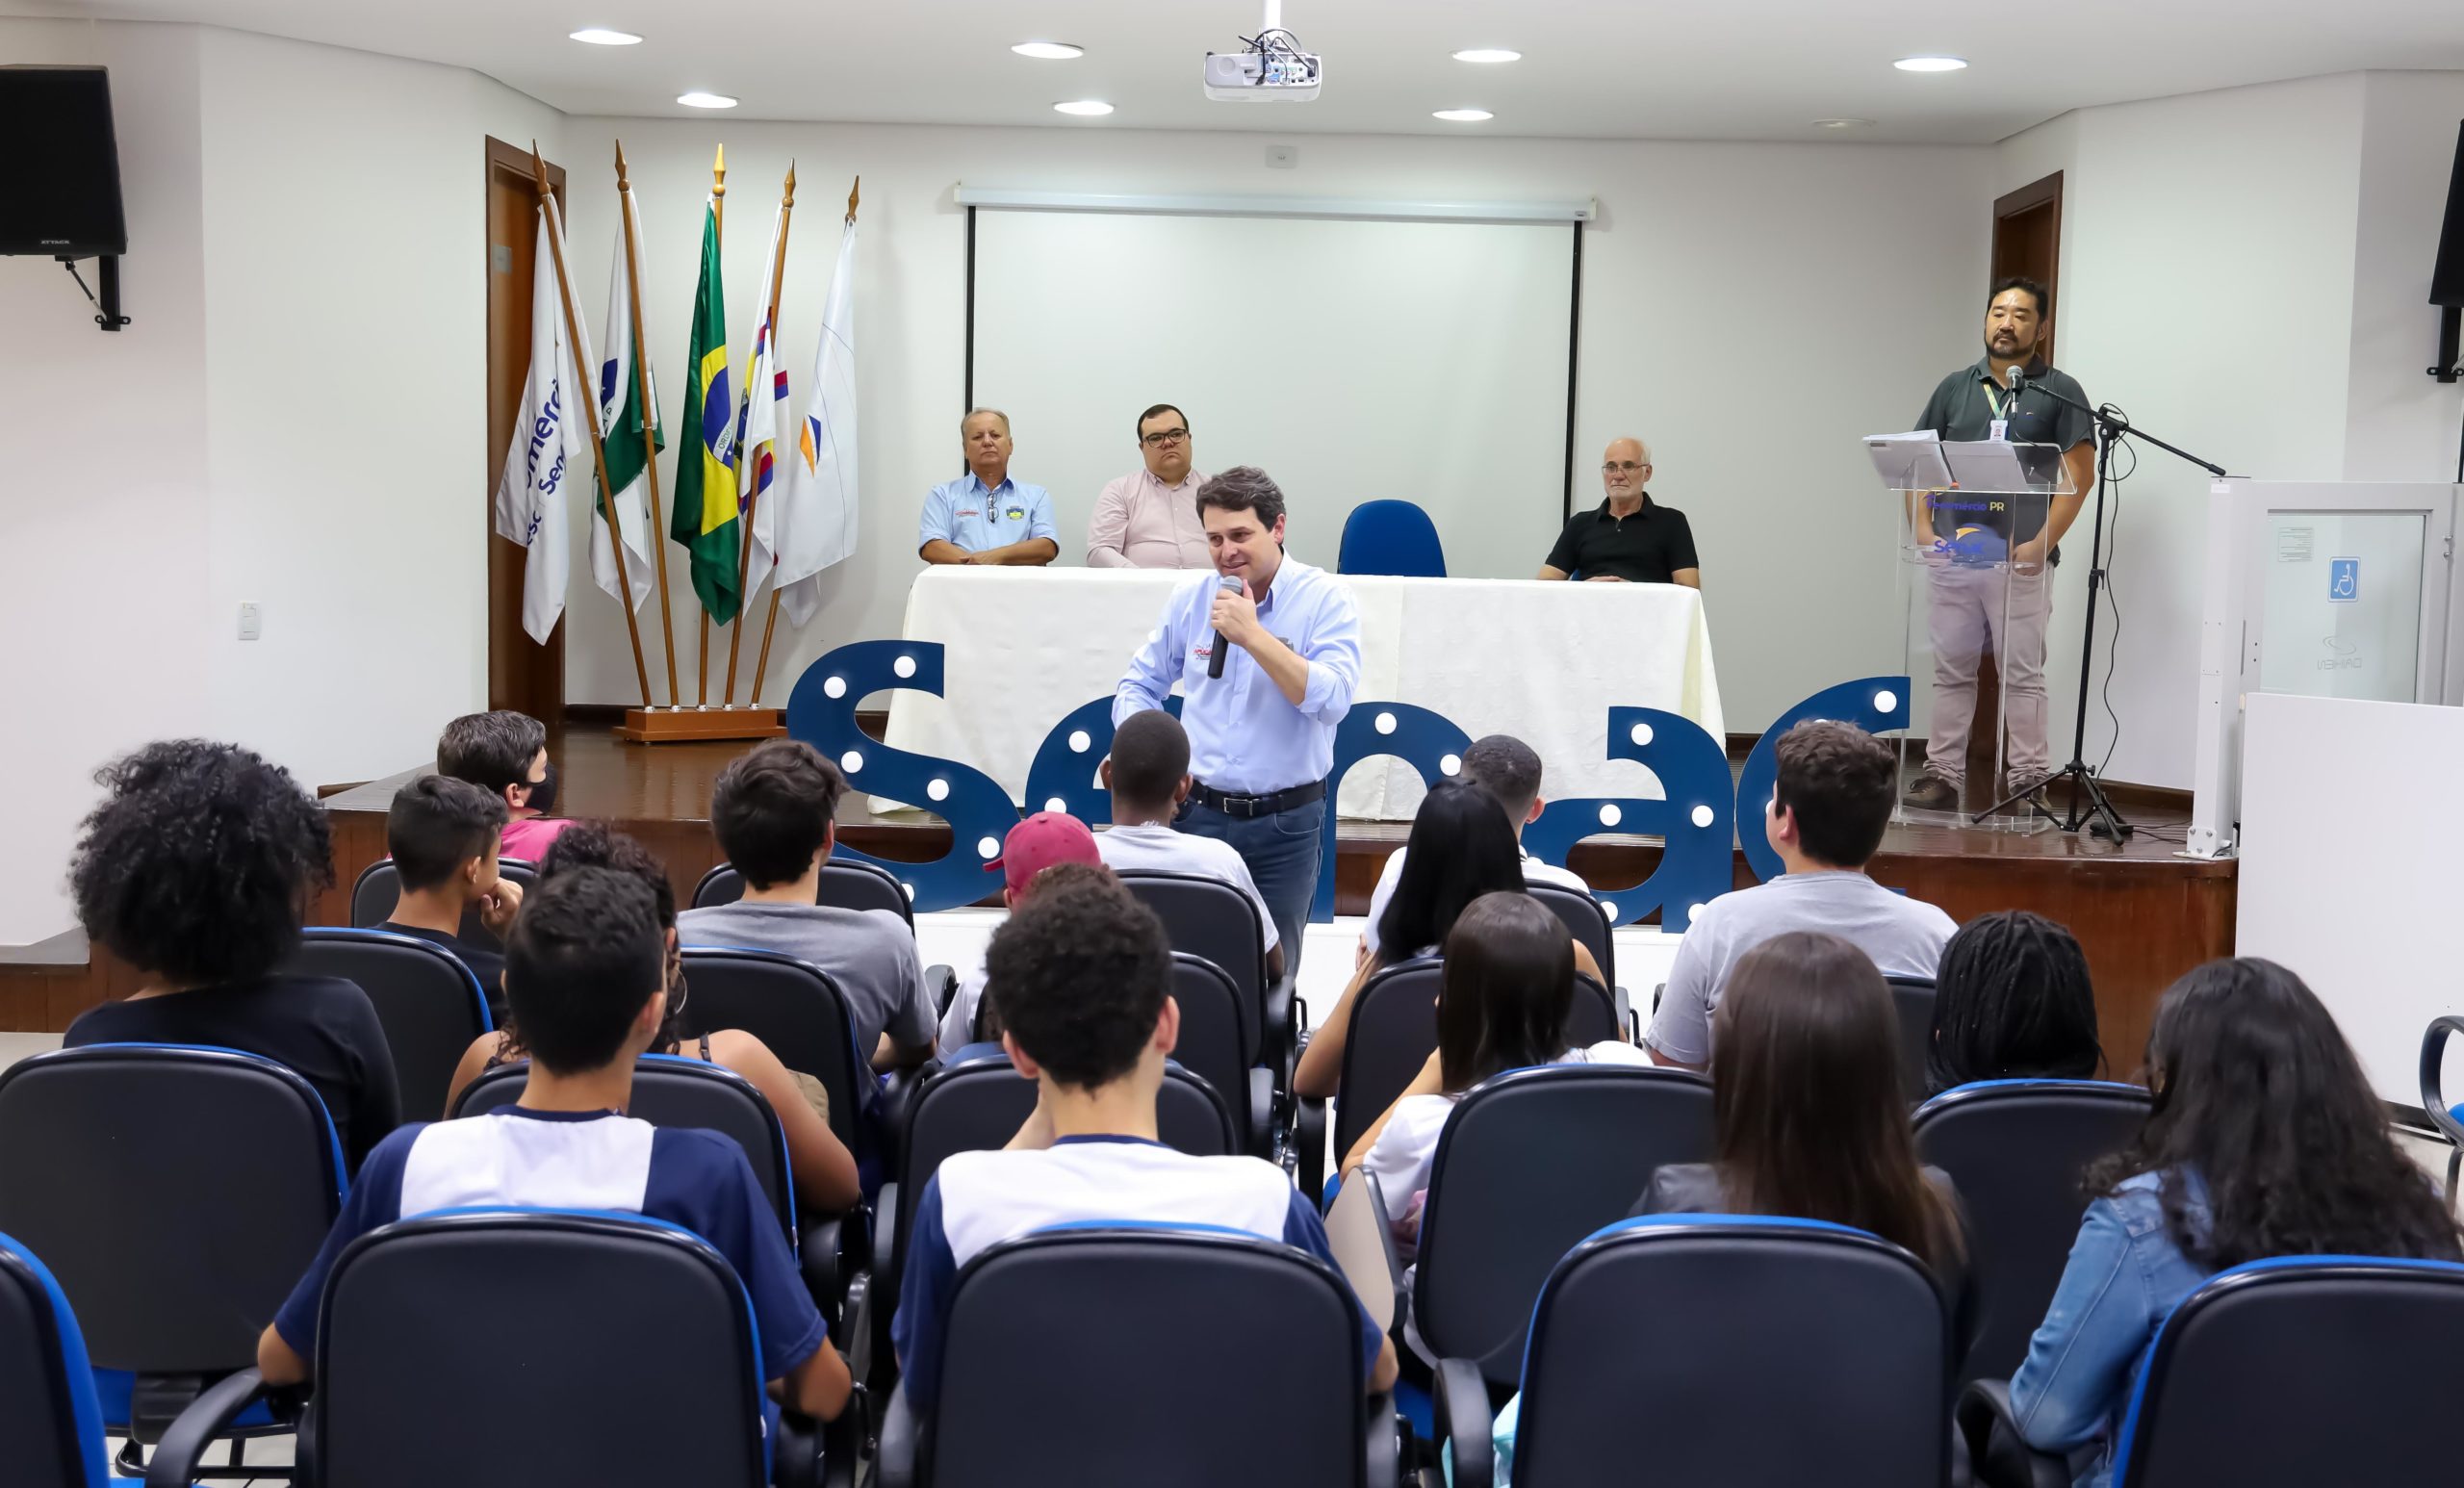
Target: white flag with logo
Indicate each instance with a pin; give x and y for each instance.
(625, 410)
(765, 392)
(550, 453)
(817, 519)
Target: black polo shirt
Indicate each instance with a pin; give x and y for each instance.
(1647, 548)
(1963, 409)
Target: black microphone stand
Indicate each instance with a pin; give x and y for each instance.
(2090, 806)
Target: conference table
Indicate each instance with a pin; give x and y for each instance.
(1543, 661)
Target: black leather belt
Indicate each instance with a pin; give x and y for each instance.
(1247, 806)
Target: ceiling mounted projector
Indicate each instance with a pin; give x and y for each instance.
(1273, 69)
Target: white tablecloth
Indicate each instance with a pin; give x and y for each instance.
(1540, 661)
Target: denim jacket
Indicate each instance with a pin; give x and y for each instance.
(2124, 1278)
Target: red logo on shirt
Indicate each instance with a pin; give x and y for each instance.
(970, 511)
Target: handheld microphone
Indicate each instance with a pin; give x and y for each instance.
(1226, 584)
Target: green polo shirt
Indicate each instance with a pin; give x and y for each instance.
(1963, 409)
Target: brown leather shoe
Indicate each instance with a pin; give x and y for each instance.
(1931, 793)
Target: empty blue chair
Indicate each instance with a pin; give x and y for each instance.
(429, 1003)
(51, 1429)
(1391, 538)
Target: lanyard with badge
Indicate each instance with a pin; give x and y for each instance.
(2001, 422)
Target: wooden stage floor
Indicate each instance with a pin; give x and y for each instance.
(2143, 916)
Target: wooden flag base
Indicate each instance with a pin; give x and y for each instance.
(683, 725)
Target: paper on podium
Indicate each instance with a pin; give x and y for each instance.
(1908, 462)
(1999, 465)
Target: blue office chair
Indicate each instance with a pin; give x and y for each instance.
(2449, 1120)
(178, 1194)
(2016, 1149)
(1220, 1046)
(379, 888)
(51, 1427)
(1145, 1354)
(1210, 919)
(2298, 1369)
(429, 1003)
(1529, 1163)
(1811, 1352)
(1391, 538)
(796, 1009)
(845, 882)
(1912, 999)
(426, 1373)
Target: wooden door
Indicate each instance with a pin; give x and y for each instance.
(523, 675)
(2027, 239)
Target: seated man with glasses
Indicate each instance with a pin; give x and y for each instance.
(1629, 538)
(1149, 518)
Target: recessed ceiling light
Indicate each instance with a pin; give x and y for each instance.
(1463, 116)
(701, 100)
(1084, 108)
(601, 36)
(1843, 123)
(1049, 51)
(1930, 63)
(1487, 54)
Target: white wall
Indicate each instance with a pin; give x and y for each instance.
(295, 417)
(1753, 310)
(2399, 424)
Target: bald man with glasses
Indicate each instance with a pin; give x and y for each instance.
(1149, 518)
(1628, 538)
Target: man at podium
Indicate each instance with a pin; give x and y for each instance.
(1977, 605)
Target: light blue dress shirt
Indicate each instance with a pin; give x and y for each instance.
(961, 512)
(1246, 736)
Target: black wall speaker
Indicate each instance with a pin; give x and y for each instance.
(2446, 276)
(59, 175)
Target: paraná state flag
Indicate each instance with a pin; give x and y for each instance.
(705, 519)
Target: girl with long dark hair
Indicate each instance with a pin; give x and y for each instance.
(2011, 1001)
(2265, 1140)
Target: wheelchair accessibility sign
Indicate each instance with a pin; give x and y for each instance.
(2344, 580)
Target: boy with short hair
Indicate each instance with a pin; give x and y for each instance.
(773, 813)
(1085, 977)
(505, 754)
(443, 834)
(1148, 776)
(586, 973)
(1831, 800)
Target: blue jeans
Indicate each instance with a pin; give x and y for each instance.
(1282, 854)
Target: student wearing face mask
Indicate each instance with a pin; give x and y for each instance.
(505, 754)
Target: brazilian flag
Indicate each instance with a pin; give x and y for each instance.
(704, 518)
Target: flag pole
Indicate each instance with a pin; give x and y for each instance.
(719, 226)
(769, 626)
(751, 492)
(589, 401)
(650, 415)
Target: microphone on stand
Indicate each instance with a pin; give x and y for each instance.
(1226, 584)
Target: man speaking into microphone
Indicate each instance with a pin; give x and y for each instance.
(1267, 650)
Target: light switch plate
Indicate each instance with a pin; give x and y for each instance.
(252, 622)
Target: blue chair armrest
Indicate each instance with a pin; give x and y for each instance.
(1261, 1131)
(894, 1457)
(1464, 1423)
(207, 1419)
(1309, 1146)
(1998, 1457)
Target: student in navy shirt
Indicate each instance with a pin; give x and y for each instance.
(194, 870)
(444, 836)
(586, 975)
(1083, 975)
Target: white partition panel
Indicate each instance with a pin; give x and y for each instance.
(2350, 872)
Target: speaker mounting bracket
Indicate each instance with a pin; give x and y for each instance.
(106, 279)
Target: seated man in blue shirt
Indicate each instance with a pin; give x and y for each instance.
(1084, 976)
(984, 516)
(585, 971)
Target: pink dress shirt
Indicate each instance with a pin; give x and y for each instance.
(1141, 523)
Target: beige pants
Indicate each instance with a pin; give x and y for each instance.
(1971, 609)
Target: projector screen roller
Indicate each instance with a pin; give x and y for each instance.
(1352, 360)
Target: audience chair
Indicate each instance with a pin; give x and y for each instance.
(2295, 1370)
(177, 1194)
(1810, 1353)
(795, 1008)
(51, 1426)
(1220, 1046)
(1529, 1164)
(1391, 538)
(1212, 920)
(1394, 1027)
(1587, 922)
(2448, 1119)
(508, 1348)
(2016, 1149)
(977, 1105)
(845, 882)
(429, 1003)
(1146, 1354)
(379, 887)
(1912, 997)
